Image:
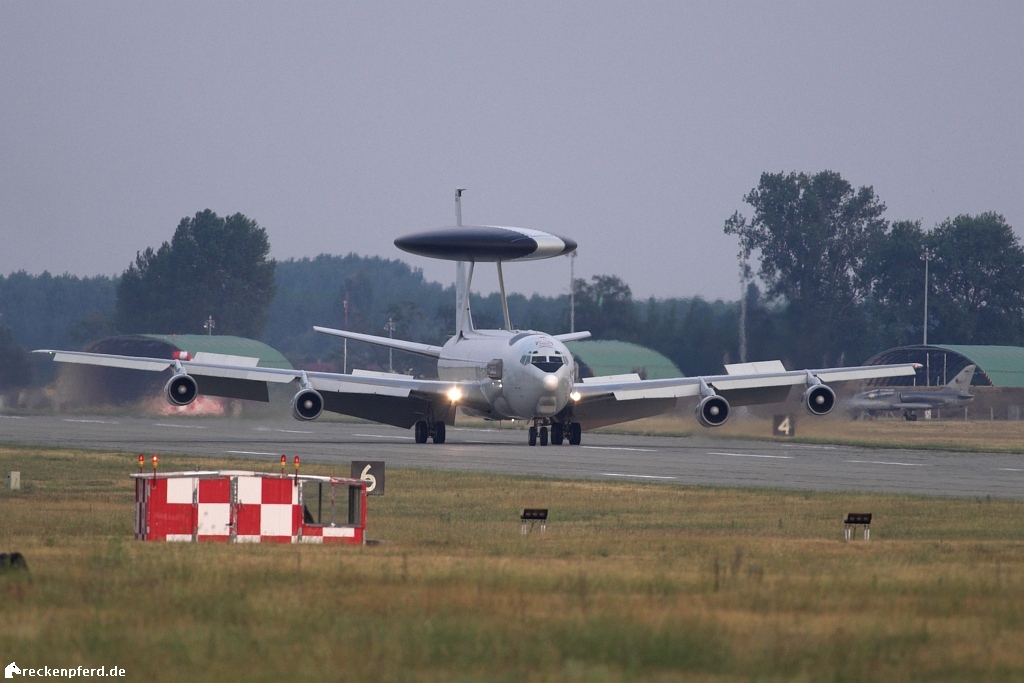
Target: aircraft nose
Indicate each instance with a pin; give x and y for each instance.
(550, 382)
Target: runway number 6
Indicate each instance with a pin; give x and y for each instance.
(371, 481)
(372, 472)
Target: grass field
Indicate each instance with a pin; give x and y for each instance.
(630, 583)
(997, 436)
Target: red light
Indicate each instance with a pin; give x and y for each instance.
(155, 460)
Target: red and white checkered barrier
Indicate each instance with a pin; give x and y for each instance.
(246, 507)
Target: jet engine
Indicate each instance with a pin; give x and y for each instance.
(181, 390)
(819, 399)
(712, 411)
(307, 405)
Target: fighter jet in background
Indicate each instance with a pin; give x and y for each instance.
(909, 400)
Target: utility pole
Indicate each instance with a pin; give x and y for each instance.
(744, 275)
(390, 327)
(927, 257)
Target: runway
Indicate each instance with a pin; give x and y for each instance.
(696, 460)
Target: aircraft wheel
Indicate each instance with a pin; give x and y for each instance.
(575, 434)
(543, 436)
(557, 434)
(420, 430)
(533, 436)
(439, 432)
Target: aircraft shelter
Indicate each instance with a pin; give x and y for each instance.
(598, 357)
(997, 366)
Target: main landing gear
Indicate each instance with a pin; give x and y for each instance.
(559, 433)
(423, 431)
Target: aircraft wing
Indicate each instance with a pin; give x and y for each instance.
(428, 350)
(609, 400)
(398, 400)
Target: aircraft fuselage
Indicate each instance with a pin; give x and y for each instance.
(531, 372)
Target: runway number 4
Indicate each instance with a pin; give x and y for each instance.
(785, 425)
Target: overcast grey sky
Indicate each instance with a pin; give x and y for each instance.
(633, 127)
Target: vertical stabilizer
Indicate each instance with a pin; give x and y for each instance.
(463, 316)
(962, 382)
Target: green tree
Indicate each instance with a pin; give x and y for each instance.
(212, 266)
(604, 306)
(896, 268)
(813, 233)
(15, 365)
(977, 280)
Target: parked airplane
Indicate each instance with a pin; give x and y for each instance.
(953, 395)
(494, 374)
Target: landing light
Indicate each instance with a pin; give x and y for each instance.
(575, 395)
(454, 394)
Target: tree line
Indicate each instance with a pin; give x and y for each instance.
(835, 283)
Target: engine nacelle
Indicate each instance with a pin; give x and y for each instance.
(308, 404)
(712, 411)
(181, 390)
(819, 400)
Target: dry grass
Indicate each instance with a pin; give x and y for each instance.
(998, 436)
(630, 582)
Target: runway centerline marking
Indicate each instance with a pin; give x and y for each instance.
(98, 422)
(165, 424)
(621, 448)
(12, 417)
(634, 476)
(384, 436)
(250, 453)
(883, 462)
(1009, 469)
(752, 455)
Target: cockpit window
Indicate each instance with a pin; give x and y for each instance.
(548, 363)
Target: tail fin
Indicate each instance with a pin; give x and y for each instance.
(962, 382)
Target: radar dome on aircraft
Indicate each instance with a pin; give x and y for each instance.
(485, 243)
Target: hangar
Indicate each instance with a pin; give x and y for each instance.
(596, 358)
(997, 366)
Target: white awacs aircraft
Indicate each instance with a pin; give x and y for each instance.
(494, 374)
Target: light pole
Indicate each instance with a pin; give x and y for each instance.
(926, 257)
(744, 276)
(344, 363)
(208, 325)
(390, 327)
